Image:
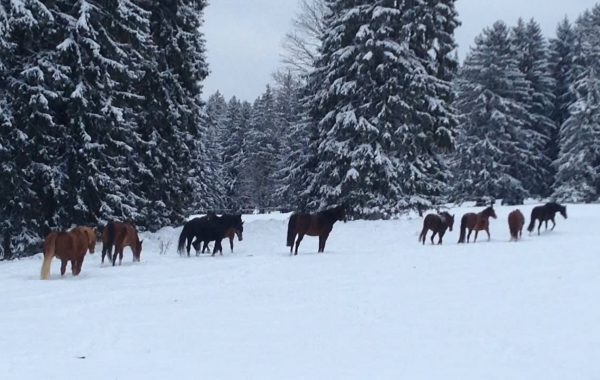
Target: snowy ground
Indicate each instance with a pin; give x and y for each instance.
(376, 305)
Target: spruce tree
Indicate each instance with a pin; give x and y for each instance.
(233, 141)
(175, 109)
(561, 63)
(577, 164)
(493, 139)
(533, 60)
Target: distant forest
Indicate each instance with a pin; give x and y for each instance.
(102, 117)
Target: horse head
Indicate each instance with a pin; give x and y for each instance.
(92, 237)
(490, 212)
(563, 211)
(239, 227)
(137, 251)
(343, 212)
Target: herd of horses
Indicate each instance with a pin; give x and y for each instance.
(442, 221)
(74, 244)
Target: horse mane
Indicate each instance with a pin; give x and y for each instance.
(488, 210)
(330, 213)
(553, 206)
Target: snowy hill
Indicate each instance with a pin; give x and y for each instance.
(376, 305)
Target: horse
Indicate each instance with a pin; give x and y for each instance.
(121, 235)
(207, 230)
(438, 224)
(544, 214)
(476, 222)
(516, 221)
(230, 234)
(67, 246)
(319, 224)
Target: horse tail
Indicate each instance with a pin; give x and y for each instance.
(182, 238)
(291, 233)
(463, 229)
(49, 251)
(532, 221)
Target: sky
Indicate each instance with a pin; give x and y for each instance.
(243, 37)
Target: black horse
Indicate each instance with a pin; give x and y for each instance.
(207, 229)
(544, 214)
(230, 234)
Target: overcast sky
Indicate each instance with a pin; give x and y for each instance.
(243, 37)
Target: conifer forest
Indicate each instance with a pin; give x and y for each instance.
(103, 117)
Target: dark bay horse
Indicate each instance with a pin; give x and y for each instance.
(476, 222)
(319, 224)
(516, 221)
(67, 246)
(230, 234)
(207, 229)
(438, 223)
(121, 235)
(544, 214)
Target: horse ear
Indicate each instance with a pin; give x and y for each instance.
(453, 216)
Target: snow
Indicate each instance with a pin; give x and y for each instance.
(377, 304)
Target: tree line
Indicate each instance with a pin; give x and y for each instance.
(102, 116)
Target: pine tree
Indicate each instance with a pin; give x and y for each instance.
(577, 176)
(561, 63)
(216, 113)
(533, 60)
(492, 144)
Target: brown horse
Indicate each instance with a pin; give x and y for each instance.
(516, 221)
(319, 224)
(67, 246)
(476, 222)
(121, 235)
(231, 233)
(438, 224)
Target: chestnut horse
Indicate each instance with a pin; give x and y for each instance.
(438, 224)
(121, 235)
(476, 222)
(546, 213)
(319, 224)
(516, 221)
(67, 246)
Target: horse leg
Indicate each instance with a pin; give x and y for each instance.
(231, 243)
(121, 255)
(440, 235)
(469, 234)
(114, 256)
(487, 231)
(300, 236)
(63, 267)
(553, 224)
(432, 236)
(475, 238)
(322, 241)
(74, 267)
(540, 226)
(546, 221)
(80, 264)
(189, 245)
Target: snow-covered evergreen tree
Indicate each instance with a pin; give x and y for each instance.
(532, 53)
(33, 125)
(236, 126)
(577, 175)
(561, 63)
(492, 148)
(175, 108)
(262, 149)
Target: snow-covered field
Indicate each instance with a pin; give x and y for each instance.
(376, 305)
